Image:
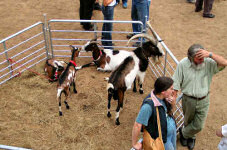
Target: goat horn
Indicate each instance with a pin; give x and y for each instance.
(152, 31)
(143, 36)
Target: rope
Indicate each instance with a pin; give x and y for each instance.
(43, 76)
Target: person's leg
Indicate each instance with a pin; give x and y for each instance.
(142, 13)
(171, 134)
(108, 15)
(196, 120)
(134, 16)
(208, 6)
(81, 11)
(198, 5)
(88, 9)
(148, 8)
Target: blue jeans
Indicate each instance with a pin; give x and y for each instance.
(148, 9)
(171, 134)
(108, 13)
(138, 13)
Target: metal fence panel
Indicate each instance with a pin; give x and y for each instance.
(22, 50)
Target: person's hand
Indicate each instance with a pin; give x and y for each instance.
(202, 54)
(219, 133)
(171, 100)
(138, 146)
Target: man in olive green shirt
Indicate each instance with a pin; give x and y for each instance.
(193, 77)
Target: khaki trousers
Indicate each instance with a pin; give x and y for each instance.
(195, 114)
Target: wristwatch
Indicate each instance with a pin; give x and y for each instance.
(210, 54)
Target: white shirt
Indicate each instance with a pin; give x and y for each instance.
(112, 3)
(223, 143)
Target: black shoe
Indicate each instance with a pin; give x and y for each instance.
(208, 15)
(183, 141)
(198, 9)
(88, 27)
(97, 6)
(191, 143)
(129, 36)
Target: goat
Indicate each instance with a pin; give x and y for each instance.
(53, 68)
(135, 65)
(67, 78)
(106, 59)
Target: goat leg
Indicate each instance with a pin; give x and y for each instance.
(59, 101)
(87, 65)
(74, 87)
(134, 87)
(66, 97)
(108, 106)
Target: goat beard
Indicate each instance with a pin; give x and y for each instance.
(199, 66)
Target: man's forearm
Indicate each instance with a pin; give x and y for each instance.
(219, 59)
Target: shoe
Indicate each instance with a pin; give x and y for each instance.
(89, 28)
(198, 9)
(125, 5)
(208, 15)
(97, 7)
(129, 36)
(183, 141)
(191, 143)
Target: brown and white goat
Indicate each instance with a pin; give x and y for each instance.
(67, 78)
(133, 66)
(106, 59)
(53, 69)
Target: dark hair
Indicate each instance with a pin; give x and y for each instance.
(162, 84)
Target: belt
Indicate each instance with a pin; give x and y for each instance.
(196, 98)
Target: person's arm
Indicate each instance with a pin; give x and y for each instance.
(219, 132)
(135, 134)
(219, 59)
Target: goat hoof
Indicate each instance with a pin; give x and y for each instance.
(60, 113)
(75, 91)
(67, 106)
(141, 91)
(108, 115)
(117, 122)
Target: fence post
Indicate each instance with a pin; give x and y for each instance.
(7, 58)
(51, 44)
(95, 29)
(45, 36)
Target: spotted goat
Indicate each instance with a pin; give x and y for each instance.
(133, 66)
(67, 79)
(53, 69)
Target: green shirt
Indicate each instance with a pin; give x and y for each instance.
(194, 82)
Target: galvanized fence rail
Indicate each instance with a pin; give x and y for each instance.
(22, 50)
(69, 31)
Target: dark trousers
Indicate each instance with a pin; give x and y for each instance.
(107, 28)
(86, 9)
(207, 5)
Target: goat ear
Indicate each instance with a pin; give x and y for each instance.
(71, 47)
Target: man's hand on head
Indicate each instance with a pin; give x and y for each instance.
(202, 53)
